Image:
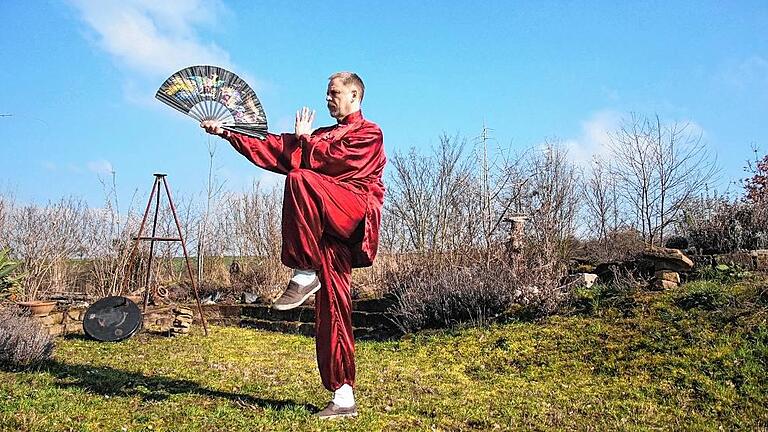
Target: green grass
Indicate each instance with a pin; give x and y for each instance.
(673, 363)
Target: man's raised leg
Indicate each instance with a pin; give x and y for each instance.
(313, 205)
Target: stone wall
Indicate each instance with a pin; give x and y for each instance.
(64, 322)
(370, 319)
(756, 260)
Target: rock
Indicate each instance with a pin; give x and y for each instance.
(212, 298)
(587, 279)
(75, 314)
(668, 259)
(661, 284)
(607, 270)
(55, 330)
(677, 242)
(760, 259)
(182, 324)
(668, 276)
(52, 319)
(181, 310)
(249, 298)
(743, 260)
(579, 280)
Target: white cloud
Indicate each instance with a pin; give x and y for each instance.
(155, 38)
(100, 167)
(750, 71)
(593, 140)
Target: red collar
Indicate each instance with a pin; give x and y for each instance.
(352, 118)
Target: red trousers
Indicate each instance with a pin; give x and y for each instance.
(320, 218)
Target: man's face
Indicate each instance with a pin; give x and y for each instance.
(340, 99)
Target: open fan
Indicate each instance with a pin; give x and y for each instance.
(214, 93)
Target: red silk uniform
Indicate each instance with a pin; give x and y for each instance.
(330, 223)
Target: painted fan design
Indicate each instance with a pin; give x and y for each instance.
(214, 93)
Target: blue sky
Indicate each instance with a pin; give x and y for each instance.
(79, 78)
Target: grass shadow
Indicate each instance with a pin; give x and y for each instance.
(108, 381)
(76, 336)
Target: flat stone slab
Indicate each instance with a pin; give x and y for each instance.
(668, 259)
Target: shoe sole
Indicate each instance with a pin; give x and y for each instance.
(290, 306)
(337, 416)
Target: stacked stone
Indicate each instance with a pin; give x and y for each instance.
(666, 279)
(59, 323)
(760, 259)
(182, 321)
(668, 264)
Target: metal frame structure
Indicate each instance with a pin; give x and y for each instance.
(155, 194)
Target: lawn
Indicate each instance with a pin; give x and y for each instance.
(695, 358)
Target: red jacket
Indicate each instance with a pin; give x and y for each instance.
(350, 153)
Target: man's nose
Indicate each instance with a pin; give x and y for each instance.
(328, 98)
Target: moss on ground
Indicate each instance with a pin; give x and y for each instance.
(695, 358)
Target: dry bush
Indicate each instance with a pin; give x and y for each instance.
(44, 239)
(371, 282)
(443, 222)
(110, 239)
(249, 228)
(617, 245)
(6, 209)
(434, 293)
(718, 224)
(24, 342)
(756, 198)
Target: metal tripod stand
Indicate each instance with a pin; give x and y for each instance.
(156, 191)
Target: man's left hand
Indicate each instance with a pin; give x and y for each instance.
(304, 119)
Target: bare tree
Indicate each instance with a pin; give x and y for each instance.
(426, 193)
(658, 167)
(601, 204)
(213, 190)
(501, 180)
(552, 200)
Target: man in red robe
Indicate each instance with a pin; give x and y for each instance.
(331, 217)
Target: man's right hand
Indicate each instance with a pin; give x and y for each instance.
(213, 127)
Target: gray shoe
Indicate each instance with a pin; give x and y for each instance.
(295, 295)
(333, 411)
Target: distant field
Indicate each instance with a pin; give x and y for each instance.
(692, 359)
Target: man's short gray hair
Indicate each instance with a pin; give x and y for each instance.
(350, 78)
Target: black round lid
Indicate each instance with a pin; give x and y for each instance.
(112, 319)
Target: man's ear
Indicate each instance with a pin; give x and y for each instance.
(355, 95)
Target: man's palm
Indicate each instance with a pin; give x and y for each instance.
(304, 119)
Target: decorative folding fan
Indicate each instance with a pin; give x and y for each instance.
(214, 93)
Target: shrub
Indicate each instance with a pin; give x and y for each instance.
(24, 343)
(618, 245)
(434, 293)
(10, 284)
(722, 273)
